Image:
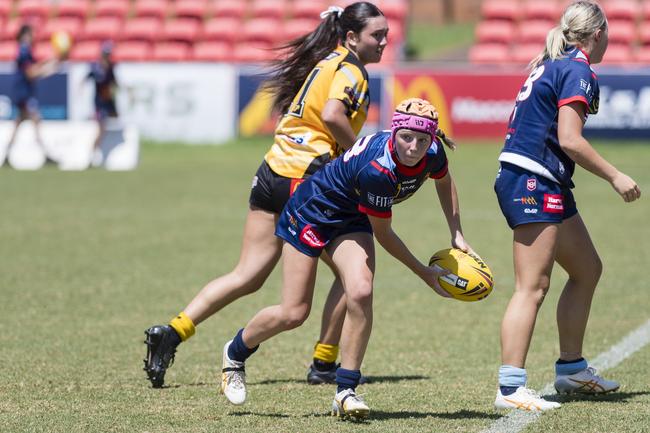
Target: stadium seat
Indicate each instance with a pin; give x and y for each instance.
(534, 31)
(298, 27)
(644, 33)
(494, 31)
(142, 29)
(500, 10)
(10, 29)
(33, 9)
(268, 8)
(73, 8)
(623, 32)
(642, 55)
(542, 10)
(112, 8)
(307, 8)
(132, 51)
(394, 9)
(8, 50)
(246, 53)
(617, 54)
(264, 30)
(195, 9)
(489, 54)
(212, 51)
(395, 31)
(151, 8)
(524, 53)
(71, 25)
(85, 51)
(229, 8)
(622, 10)
(43, 50)
(170, 52)
(221, 29)
(5, 9)
(645, 12)
(102, 28)
(182, 29)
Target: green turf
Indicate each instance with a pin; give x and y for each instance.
(426, 41)
(89, 260)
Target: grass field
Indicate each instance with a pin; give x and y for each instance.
(89, 260)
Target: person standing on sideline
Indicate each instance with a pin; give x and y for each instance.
(322, 89)
(543, 143)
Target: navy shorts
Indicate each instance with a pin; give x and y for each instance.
(311, 238)
(270, 191)
(527, 198)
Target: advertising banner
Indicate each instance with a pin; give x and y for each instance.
(51, 93)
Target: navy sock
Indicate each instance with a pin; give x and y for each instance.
(562, 361)
(237, 351)
(347, 379)
(508, 390)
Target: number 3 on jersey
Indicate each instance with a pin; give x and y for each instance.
(527, 88)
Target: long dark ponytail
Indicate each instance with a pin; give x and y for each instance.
(288, 74)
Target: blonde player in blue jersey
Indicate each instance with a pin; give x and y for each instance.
(543, 144)
(322, 89)
(337, 211)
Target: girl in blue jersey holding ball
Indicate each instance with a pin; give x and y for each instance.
(543, 143)
(338, 210)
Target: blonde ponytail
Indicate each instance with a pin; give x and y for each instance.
(579, 22)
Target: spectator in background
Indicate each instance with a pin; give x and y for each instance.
(28, 70)
(103, 75)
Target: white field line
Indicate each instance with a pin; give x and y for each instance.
(517, 420)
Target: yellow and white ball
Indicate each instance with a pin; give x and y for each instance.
(470, 278)
(61, 42)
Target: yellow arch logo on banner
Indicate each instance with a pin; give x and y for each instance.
(256, 113)
(424, 87)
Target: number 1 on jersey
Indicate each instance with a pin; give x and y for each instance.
(298, 107)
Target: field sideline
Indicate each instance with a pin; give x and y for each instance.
(88, 260)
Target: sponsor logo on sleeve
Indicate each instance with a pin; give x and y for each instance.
(553, 203)
(525, 200)
(380, 200)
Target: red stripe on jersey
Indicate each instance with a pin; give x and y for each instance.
(383, 170)
(441, 173)
(566, 101)
(375, 213)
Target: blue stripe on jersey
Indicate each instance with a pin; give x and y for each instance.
(532, 130)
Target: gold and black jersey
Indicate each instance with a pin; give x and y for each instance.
(303, 143)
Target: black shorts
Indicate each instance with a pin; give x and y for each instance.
(270, 191)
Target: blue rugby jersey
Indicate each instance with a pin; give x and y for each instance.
(23, 85)
(531, 141)
(367, 179)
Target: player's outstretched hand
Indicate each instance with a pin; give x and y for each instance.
(626, 187)
(459, 242)
(431, 275)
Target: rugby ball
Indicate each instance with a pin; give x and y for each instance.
(470, 278)
(61, 42)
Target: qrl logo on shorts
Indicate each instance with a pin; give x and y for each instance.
(553, 203)
(531, 184)
(311, 237)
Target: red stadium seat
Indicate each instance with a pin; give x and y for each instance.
(37, 9)
(264, 30)
(645, 11)
(268, 8)
(212, 51)
(8, 50)
(495, 31)
(489, 54)
(112, 8)
(73, 8)
(524, 53)
(617, 54)
(132, 51)
(170, 51)
(103, 28)
(642, 55)
(222, 29)
(43, 50)
(85, 51)
(142, 29)
(5, 9)
(298, 27)
(182, 29)
(151, 8)
(501, 9)
(542, 10)
(534, 31)
(395, 31)
(229, 8)
(196, 9)
(10, 29)
(71, 25)
(644, 33)
(308, 8)
(394, 9)
(622, 10)
(623, 32)
(248, 54)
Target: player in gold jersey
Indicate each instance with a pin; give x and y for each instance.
(322, 89)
